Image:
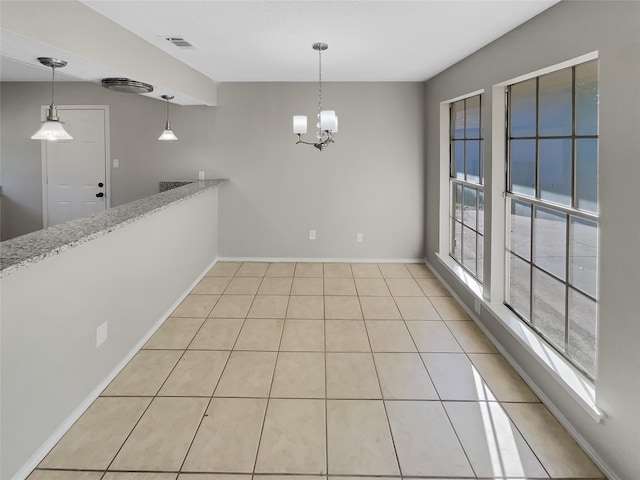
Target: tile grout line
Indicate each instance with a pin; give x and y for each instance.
(434, 385)
(153, 397)
(384, 405)
(266, 409)
(204, 415)
(326, 383)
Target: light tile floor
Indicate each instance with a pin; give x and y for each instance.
(312, 370)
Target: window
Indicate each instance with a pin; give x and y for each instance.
(552, 209)
(466, 172)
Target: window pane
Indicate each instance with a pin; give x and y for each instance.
(555, 171)
(556, 112)
(519, 286)
(473, 117)
(550, 241)
(458, 159)
(548, 307)
(480, 211)
(523, 109)
(469, 212)
(523, 167)
(583, 260)
(520, 229)
(587, 98)
(587, 174)
(458, 200)
(480, 272)
(481, 182)
(469, 249)
(457, 119)
(582, 331)
(457, 241)
(473, 161)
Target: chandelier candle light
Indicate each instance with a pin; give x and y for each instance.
(52, 128)
(327, 120)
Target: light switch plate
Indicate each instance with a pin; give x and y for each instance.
(102, 332)
(116, 163)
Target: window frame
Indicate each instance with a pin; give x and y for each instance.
(465, 184)
(487, 300)
(536, 203)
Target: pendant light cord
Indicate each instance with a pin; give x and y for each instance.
(53, 82)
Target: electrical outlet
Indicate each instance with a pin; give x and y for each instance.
(116, 163)
(102, 332)
(477, 306)
(359, 237)
(312, 234)
(201, 175)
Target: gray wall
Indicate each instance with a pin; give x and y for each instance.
(565, 31)
(48, 346)
(369, 181)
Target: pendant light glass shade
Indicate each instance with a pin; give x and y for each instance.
(52, 128)
(167, 134)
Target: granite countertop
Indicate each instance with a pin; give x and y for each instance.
(25, 250)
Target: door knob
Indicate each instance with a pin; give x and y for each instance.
(99, 194)
(101, 184)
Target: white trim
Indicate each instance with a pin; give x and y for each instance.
(496, 268)
(107, 159)
(472, 284)
(553, 68)
(444, 240)
(463, 97)
(445, 193)
(55, 437)
(320, 260)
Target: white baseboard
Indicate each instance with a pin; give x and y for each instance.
(320, 260)
(568, 426)
(55, 437)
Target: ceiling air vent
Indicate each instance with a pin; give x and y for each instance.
(179, 42)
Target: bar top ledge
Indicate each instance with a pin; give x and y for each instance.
(19, 252)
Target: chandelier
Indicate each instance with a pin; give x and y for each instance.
(327, 122)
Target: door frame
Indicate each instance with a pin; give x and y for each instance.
(107, 160)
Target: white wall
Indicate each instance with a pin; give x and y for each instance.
(130, 278)
(369, 181)
(566, 31)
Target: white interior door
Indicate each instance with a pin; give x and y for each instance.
(75, 171)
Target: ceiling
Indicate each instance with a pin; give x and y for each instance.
(257, 41)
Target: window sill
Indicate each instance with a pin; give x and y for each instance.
(469, 281)
(581, 389)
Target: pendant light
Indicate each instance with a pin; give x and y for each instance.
(52, 128)
(168, 133)
(327, 123)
